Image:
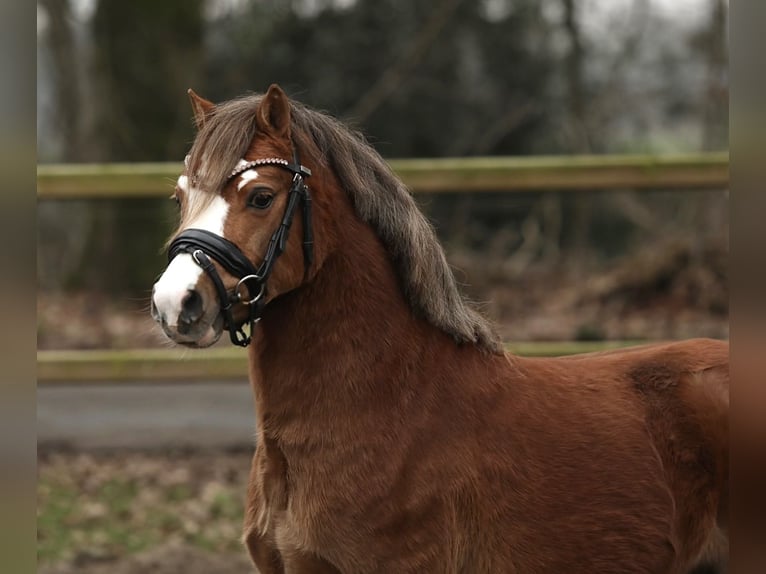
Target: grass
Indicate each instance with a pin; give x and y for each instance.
(104, 508)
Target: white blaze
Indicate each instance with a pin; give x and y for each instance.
(182, 274)
(245, 177)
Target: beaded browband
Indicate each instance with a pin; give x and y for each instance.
(303, 170)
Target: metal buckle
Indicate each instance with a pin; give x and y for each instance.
(254, 299)
(196, 259)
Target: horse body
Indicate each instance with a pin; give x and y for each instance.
(394, 433)
(420, 455)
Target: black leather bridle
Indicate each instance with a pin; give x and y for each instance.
(205, 245)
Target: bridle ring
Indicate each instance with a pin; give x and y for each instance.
(255, 299)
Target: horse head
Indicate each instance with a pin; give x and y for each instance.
(240, 242)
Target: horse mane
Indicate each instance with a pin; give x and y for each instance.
(379, 197)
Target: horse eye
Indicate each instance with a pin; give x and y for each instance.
(176, 200)
(260, 199)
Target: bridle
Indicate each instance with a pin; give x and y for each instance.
(205, 245)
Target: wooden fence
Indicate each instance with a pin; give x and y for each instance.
(216, 364)
(495, 174)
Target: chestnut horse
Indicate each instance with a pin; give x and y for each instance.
(395, 434)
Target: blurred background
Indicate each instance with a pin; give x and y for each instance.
(136, 477)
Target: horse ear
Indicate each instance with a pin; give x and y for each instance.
(200, 106)
(274, 112)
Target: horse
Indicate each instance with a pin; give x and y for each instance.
(394, 432)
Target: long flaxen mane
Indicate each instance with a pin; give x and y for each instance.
(379, 197)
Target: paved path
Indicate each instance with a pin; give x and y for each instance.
(201, 415)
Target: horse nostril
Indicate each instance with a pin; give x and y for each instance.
(191, 308)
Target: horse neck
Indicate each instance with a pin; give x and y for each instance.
(339, 341)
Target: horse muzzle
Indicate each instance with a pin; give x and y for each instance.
(185, 308)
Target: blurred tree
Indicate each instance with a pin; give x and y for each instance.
(63, 229)
(426, 78)
(65, 79)
(147, 54)
(712, 44)
(580, 136)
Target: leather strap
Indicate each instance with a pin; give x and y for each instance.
(219, 248)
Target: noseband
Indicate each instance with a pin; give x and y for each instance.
(205, 245)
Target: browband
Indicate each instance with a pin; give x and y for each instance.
(295, 168)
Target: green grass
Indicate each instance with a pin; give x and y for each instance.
(106, 512)
(99, 523)
(53, 534)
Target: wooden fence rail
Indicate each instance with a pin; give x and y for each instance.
(498, 174)
(218, 364)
